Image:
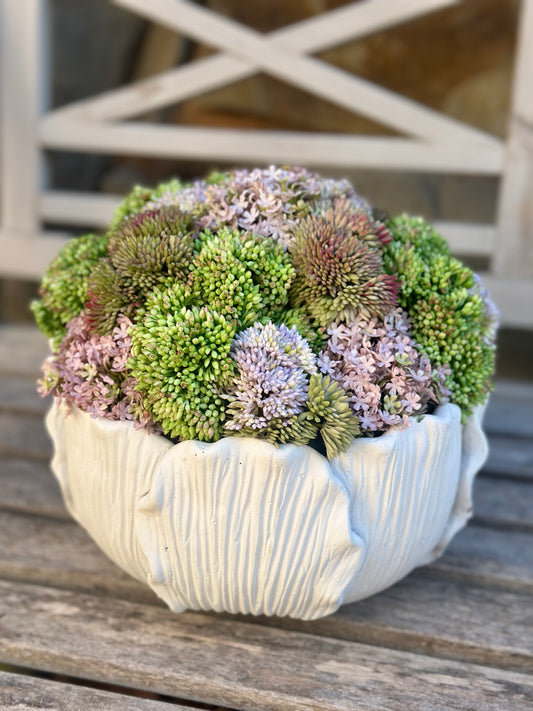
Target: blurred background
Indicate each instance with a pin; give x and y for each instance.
(459, 58)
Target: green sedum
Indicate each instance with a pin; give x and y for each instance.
(135, 200)
(64, 286)
(447, 312)
(181, 361)
(239, 274)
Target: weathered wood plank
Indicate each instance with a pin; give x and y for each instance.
(27, 693)
(24, 436)
(22, 350)
(511, 456)
(27, 255)
(503, 503)
(486, 556)
(238, 664)
(22, 64)
(510, 409)
(29, 486)
(18, 393)
(325, 149)
(60, 553)
(434, 616)
(438, 618)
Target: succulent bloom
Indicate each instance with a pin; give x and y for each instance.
(338, 261)
(380, 368)
(273, 367)
(452, 320)
(180, 362)
(146, 250)
(90, 372)
(64, 287)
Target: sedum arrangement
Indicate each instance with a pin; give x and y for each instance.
(270, 303)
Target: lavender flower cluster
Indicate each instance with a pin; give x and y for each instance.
(268, 303)
(272, 381)
(382, 371)
(91, 372)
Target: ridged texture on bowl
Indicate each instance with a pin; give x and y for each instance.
(103, 468)
(402, 487)
(242, 526)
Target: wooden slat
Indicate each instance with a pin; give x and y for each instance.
(18, 394)
(23, 436)
(56, 552)
(76, 208)
(27, 256)
(29, 486)
(235, 663)
(27, 693)
(315, 34)
(510, 409)
(510, 456)
(438, 617)
(467, 238)
(22, 61)
(514, 248)
(503, 503)
(488, 557)
(267, 147)
(310, 74)
(513, 296)
(22, 350)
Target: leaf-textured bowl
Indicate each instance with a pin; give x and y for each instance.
(240, 525)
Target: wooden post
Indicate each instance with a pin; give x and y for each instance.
(514, 247)
(23, 86)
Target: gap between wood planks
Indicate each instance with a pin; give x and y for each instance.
(24, 689)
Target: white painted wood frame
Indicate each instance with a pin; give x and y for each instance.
(430, 141)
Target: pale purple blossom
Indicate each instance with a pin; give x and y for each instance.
(90, 372)
(273, 368)
(266, 201)
(386, 377)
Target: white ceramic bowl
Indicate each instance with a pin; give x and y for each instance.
(243, 526)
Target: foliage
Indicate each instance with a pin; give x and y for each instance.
(241, 275)
(449, 314)
(180, 361)
(149, 249)
(339, 268)
(268, 303)
(139, 197)
(63, 289)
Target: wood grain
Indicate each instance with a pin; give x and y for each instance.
(22, 350)
(18, 393)
(29, 486)
(503, 503)
(235, 663)
(60, 553)
(23, 435)
(511, 456)
(28, 693)
(488, 557)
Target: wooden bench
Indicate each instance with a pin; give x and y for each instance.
(77, 633)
